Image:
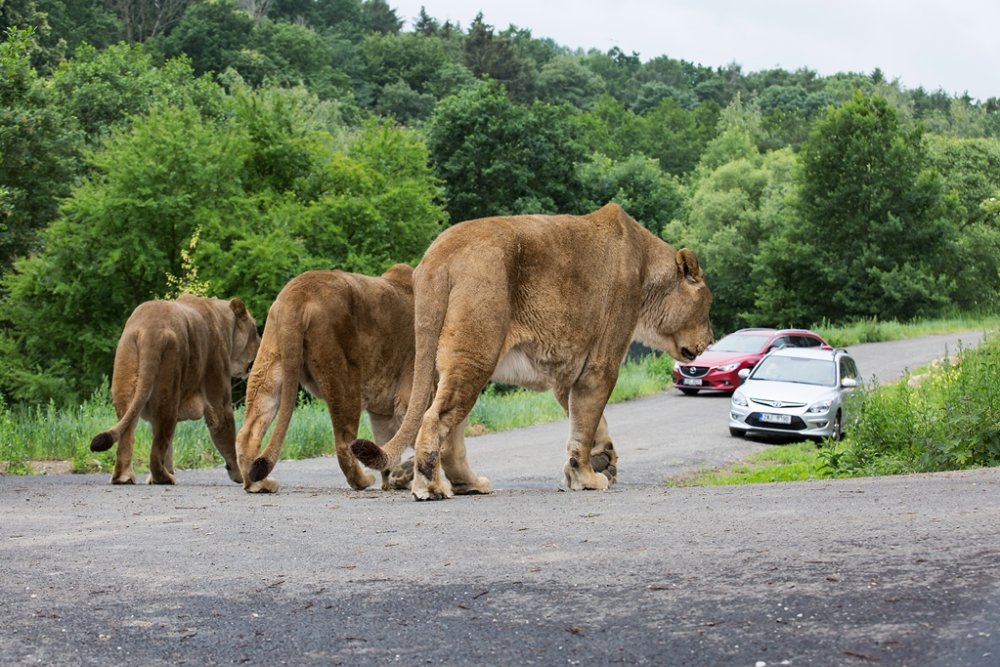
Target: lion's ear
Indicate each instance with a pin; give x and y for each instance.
(688, 265)
(239, 309)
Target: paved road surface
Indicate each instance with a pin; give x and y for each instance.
(887, 571)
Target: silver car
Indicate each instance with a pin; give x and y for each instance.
(796, 392)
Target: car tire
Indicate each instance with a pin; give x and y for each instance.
(837, 432)
(688, 392)
(737, 432)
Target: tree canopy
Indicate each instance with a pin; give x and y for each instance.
(245, 141)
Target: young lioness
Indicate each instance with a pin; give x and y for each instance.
(348, 339)
(175, 361)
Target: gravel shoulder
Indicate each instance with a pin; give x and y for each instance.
(892, 571)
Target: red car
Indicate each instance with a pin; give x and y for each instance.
(716, 368)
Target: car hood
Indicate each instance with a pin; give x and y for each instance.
(715, 359)
(787, 392)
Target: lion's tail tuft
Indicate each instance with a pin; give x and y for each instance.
(370, 454)
(102, 442)
(260, 469)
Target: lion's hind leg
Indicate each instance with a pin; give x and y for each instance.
(123, 473)
(454, 461)
(160, 456)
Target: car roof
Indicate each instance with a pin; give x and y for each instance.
(809, 352)
(751, 330)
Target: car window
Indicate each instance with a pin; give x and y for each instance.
(848, 369)
(796, 369)
(780, 342)
(746, 343)
(809, 341)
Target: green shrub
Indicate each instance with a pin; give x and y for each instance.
(945, 419)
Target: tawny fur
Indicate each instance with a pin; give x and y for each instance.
(347, 339)
(174, 362)
(540, 301)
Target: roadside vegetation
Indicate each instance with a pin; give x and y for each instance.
(875, 446)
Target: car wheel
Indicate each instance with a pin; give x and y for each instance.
(737, 432)
(688, 392)
(837, 432)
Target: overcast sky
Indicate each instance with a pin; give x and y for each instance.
(952, 45)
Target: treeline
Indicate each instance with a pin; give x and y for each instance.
(224, 146)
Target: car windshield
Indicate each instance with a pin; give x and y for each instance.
(737, 342)
(795, 369)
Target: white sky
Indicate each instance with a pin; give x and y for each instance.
(952, 45)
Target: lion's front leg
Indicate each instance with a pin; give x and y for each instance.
(579, 472)
(588, 398)
(428, 482)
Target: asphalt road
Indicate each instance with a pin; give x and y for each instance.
(887, 571)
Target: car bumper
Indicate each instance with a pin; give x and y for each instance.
(710, 382)
(810, 425)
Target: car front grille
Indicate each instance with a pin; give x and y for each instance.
(694, 371)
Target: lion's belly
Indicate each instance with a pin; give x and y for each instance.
(517, 368)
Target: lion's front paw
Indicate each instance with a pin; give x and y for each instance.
(604, 460)
(431, 490)
(578, 479)
(266, 485)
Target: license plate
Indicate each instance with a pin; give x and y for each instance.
(775, 419)
(692, 382)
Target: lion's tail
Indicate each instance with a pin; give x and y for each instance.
(145, 378)
(428, 323)
(291, 351)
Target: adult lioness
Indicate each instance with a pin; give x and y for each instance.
(174, 362)
(348, 339)
(540, 301)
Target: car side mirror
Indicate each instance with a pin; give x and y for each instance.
(743, 373)
(849, 383)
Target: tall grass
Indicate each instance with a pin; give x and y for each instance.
(47, 433)
(875, 330)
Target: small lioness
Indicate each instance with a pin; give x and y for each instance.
(174, 362)
(348, 339)
(539, 301)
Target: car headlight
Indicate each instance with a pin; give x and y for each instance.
(739, 399)
(728, 367)
(822, 406)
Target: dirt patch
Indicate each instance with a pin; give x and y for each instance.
(44, 467)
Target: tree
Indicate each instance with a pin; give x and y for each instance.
(652, 197)
(732, 210)
(873, 236)
(496, 157)
(211, 33)
(564, 79)
(494, 57)
(103, 88)
(267, 189)
(143, 19)
(39, 149)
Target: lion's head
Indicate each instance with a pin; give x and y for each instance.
(246, 340)
(675, 308)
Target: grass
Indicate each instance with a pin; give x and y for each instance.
(789, 463)
(48, 433)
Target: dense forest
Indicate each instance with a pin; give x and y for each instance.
(224, 146)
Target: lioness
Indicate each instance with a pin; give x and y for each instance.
(174, 362)
(540, 300)
(348, 339)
